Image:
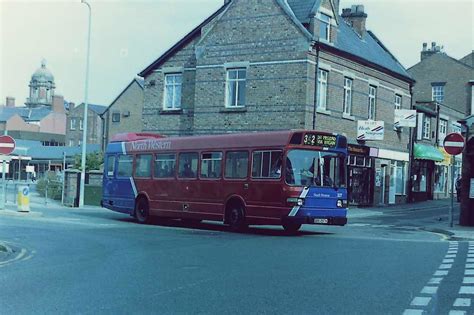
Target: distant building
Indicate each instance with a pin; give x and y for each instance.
(442, 96)
(125, 113)
(75, 120)
(261, 65)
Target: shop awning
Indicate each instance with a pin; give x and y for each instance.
(446, 157)
(427, 152)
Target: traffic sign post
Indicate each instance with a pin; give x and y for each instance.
(453, 145)
(7, 145)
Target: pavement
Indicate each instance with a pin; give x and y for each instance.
(431, 215)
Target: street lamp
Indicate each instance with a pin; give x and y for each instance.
(84, 124)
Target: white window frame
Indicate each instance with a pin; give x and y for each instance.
(72, 124)
(348, 83)
(232, 101)
(176, 89)
(398, 101)
(372, 104)
(326, 24)
(71, 142)
(437, 93)
(443, 130)
(81, 124)
(426, 127)
(322, 89)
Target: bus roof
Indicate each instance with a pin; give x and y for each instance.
(207, 142)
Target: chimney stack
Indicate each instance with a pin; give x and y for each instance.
(356, 17)
(58, 104)
(10, 102)
(426, 52)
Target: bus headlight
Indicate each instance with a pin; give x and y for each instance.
(341, 203)
(297, 201)
(300, 202)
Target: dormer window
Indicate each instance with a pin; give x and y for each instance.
(324, 27)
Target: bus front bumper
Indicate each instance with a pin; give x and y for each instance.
(325, 217)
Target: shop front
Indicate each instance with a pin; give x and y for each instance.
(360, 175)
(391, 173)
(425, 172)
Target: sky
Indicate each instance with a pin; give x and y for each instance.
(128, 35)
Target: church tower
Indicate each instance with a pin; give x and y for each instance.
(41, 87)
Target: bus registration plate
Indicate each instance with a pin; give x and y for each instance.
(321, 221)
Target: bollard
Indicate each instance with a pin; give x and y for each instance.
(23, 199)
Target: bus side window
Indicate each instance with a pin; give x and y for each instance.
(125, 166)
(110, 165)
(165, 165)
(211, 165)
(143, 165)
(236, 164)
(266, 164)
(188, 165)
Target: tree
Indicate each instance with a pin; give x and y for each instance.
(94, 161)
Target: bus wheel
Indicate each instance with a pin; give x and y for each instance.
(291, 227)
(141, 211)
(236, 218)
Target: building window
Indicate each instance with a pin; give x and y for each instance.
(322, 89)
(400, 174)
(324, 27)
(455, 127)
(71, 143)
(115, 117)
(426, 127)
(81, 123)
(172, 95)
(235, 87)
(372, 102)
(398, 101)
(437, 92)
(443, 130)
(73, 124)
(347, 96)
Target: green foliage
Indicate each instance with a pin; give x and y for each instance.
(50, 183)
(94, 161)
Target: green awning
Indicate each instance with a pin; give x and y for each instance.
(427, 152)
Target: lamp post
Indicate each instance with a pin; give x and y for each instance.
(84, 124)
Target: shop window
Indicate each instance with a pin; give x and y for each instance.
(399, 172)
(441, 177)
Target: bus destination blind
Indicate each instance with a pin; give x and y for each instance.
(320, 140)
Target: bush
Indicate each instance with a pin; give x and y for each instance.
(52, 184)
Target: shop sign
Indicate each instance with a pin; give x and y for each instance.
(370, 130)
(405, 118)
(358, 149)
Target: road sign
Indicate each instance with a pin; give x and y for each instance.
(7, 145)
(453, 143)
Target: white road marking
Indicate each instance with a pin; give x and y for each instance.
(455, 312)
(462, 302)
(429, 290)
(413, 312)
(452, 251)
(466, 290)
(435, 280)
(450, 256)
(470, 255)
(469, 272)
(445, 266)
(470, 260)
(468, 280)
(468, 266)
(441, 273)
(447, 261)
(358, 224)
(420, 301)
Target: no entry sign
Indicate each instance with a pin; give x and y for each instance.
(7, 145)
(454, 143)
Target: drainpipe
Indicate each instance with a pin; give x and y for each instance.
(316, 87)
(411, 145)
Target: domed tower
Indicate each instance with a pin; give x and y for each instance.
(41, 87)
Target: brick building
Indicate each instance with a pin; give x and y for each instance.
(74, 126)
(125, 112)
(443, 96)
(275, 64)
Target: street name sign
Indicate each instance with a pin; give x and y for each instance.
(453, 143)
(7, 145)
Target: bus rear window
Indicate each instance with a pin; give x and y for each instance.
(110, 165)
(125, 163)
(236, 164)
(165, 165)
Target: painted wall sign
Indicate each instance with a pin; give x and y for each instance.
(405, 118)
(370, 130)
